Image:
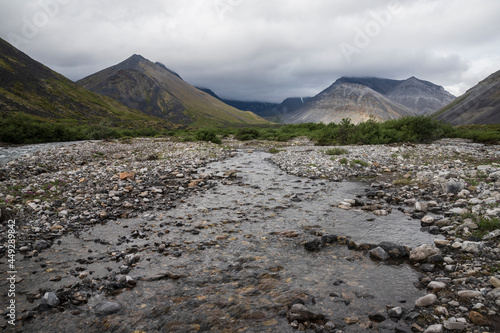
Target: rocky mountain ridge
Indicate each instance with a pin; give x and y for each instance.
(479, 105)
(366, 98)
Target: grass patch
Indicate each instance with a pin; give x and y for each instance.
(275, 150)
(360, 163)
(485, 224)
(343, 161)
(336, 151)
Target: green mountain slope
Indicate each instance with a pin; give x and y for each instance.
(157, 91)
(29, 87)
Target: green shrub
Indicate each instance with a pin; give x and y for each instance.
(246, 134)
(208, 135)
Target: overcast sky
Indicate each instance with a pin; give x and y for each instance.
(264, 50)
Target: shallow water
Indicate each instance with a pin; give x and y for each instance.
(238, 249)
(9, 153)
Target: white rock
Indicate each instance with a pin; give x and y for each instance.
(438, 328)
(420, 207)
(436, 286)
(428, 219)
(495, 282)
(381, 212)
(441, 311)
(472, 247)
(425, 301)
(457, 211)
(469, 294)
(423, 252)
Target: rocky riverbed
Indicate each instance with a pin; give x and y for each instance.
(153, 235)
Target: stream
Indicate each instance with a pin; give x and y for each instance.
(231, 259)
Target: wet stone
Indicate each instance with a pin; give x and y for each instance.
(106, 308)
(313, 246)
(379, 253)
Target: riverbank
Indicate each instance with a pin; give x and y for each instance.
(449, 189)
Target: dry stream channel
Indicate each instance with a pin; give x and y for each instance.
(231, 259)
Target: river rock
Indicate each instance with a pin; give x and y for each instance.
(454, 187)
(495, 293)
(427, 220)
(41, 245)
(107, 308)
(426, 300)
(313, 246)
(472, 247)
(301, 313)
(454, 326)
(495, 282)
(394, 250)
(478, 319)
(435, 286)
(423, 252)
(377, 317)
(50, 299)
(381, 212)
(438, 328)
(379, 253)
(465, 294)
(421, 207)
(396, 312)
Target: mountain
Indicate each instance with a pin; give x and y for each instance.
(362, 98)
(157, 91)
(479, 105)
(347, 100)
(259, 108)
(278, 112)
(380, 85)
(28, 86)
(421, 96)
(270, 111)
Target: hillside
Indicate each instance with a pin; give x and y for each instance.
(157, 91)
(479, 105)
(29, 87)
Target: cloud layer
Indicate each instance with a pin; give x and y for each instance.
(264, 50)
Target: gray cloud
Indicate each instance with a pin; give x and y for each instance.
(264, 49)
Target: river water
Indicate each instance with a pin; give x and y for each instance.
(9, 153)
(232, 259)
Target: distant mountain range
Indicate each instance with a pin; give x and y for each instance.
(138, 91)
(157, 91)
(379, 99)
(28, 86)
(479, 105)
(270, 111)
